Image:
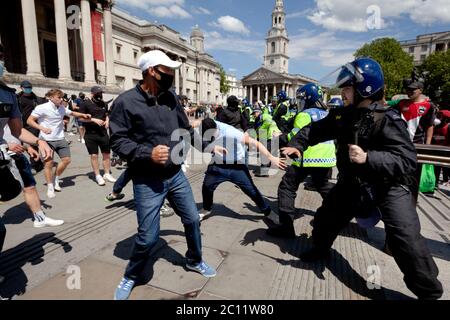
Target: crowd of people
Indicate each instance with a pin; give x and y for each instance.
(369, 139)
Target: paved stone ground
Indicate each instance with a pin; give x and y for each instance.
(97, 239)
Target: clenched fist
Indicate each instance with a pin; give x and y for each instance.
(356, 154)
(160, 154)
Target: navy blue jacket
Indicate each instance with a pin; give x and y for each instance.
(139, 122)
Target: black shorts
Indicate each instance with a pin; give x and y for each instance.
(95, 141)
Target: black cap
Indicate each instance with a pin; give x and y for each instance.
(415, 85)
(232, 99)
(96, 89)
(26, 84)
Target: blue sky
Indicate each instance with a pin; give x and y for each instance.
(323, 33)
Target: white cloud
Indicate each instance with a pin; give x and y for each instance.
(159, 8)
(173, 11)
(231, 24)
(325, 48)
(200, 10)
(146, 4)
(349, 15)
(299, 14)
(216, 41)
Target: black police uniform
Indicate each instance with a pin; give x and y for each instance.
(391, 162)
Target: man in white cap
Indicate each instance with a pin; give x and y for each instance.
(141, 123)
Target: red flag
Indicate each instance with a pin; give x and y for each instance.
(96, 21)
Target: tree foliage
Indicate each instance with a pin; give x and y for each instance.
(437, 67)
(224, 85)
(396, 63)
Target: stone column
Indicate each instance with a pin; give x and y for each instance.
(200, 86)
(31, 38)
(274, 90)
(250, 98)
(88, 51)
(62, 40)
(267, 93)
(258, 93)
(177, 81)
(184, 75)
(245, 92)
(109, 55)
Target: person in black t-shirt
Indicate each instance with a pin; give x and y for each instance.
(28, 100)
(97, 134)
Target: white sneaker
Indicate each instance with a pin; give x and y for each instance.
(47, 222)
(51, 194)
(100, 180)
(109, 177)
(57, 186)
(203, 213)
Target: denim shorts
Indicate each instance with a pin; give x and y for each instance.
(24, 167)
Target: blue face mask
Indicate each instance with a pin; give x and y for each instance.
(27, 90)
(2, 68)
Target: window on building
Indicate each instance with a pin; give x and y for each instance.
(440, 46)
(135, 55)
(411, 49)
(118, 51)
(424, 47)
(120, 81)
(423, 57)
(273, 47)
(275, 21)
(188, 93)
(279, 20)
(272, 62)
(285, 48)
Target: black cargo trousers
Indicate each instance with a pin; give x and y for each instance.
(402, 227)
(287, 189)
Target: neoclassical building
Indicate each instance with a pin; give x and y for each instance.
(74, 44)
(274, 75)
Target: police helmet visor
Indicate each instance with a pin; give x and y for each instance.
(346, 75)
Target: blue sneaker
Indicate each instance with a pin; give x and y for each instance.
(202, 268)
(124, 289)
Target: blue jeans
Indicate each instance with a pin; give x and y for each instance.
(234, 173)
(149, 195)
(121, 182)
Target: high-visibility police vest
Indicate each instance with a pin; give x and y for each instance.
(285, 103)
(322, 155)
(250, 112)
(267, 127)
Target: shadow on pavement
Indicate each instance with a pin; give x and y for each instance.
(69, 181)
(162, 250)
(222, 210)
(30, 251)
(336, 264)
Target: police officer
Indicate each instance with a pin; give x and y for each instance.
(10, 114)
(376, 160)
(282, 114)
(265, 128)
(247, 113)
(335, 103)
(317, 160)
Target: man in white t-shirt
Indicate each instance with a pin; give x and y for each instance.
(49, 119)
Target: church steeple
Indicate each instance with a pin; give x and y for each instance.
(277, 41)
